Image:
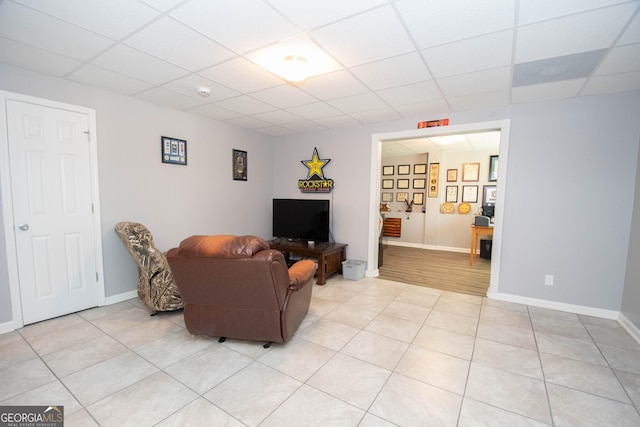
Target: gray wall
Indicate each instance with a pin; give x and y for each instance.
(631, 296)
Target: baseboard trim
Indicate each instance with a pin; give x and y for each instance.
(571, 308)
(114, 299)
(430, 247)
(633, 330)
(7, 327)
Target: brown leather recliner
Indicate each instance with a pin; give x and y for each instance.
(237, 287)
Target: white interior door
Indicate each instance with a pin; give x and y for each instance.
(50, 162)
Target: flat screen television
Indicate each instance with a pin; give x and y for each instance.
(301, 219)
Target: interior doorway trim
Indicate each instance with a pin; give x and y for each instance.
(375, 176)
(17, 320)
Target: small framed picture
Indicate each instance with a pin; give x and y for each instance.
(470, 193)
(387, 197)
(402, 197)
(174, 150)
(404, 169)
(489, 195)
(402, 184)
(388, 170)
(470, 172)
(452, 194)
(419, 183)
(420, 169)
(493, 168)
(387, 184)
(239, 165)
(418, 198)
(452, 175)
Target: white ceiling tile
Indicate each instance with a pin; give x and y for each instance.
(278, 117)
(141, 66)
(424, 110)
(333, 85)
(375, 116)
(168, 98)
(547, 91)
(241, 75)
(276, 131)
(478, 82)
(621, 60)
(49, 33)
(632, 33)
(475, 54)
(480, 100)
(489, 141)
(201, 53)
(240, 25)
(99, 77)
(612, 83)
(540, 10)
(572, 34)
(32, 58)
(314, 111)
(436, 22)
(411, 94)
(358, 103)
(246, 105)
(396, 71)
(114, 18)
(248, 122)
(370, 36)
(307, 126)
(337, 122)
(214, 112)
(311, 14)
(188, 86)
(162, 5)
(284, 96)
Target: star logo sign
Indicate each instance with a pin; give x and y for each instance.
(315, 165)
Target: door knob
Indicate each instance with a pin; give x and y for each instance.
(23, 227)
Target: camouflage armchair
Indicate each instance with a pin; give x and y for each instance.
(156, 286)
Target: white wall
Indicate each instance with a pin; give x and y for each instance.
(631, 295)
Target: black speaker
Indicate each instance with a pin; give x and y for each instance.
(485, 248)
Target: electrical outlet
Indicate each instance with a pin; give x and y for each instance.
(548, 279)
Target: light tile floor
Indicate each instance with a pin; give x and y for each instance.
(370, 353)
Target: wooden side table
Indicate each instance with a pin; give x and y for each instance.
(329, 255)
(477, 230)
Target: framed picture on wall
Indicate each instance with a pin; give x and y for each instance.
(239, 165)
(387, 197)
(387, 184)
(402, 197)
(452, 194)
(419, 169)
(489, 195)
(434, 172)
(470, 193)
(403, 183)
(452, 175)
(418, 198)
(404, 169)
(419, 183)
(470, 172)
(388, 170)
(174, 150)
(493, 168)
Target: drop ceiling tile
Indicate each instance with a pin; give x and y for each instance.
(185, 48)
(317, 110)
(162, 5)
(546, 91)
(48, 33)
(475, 54)
(334, 85)
(358, 103)
(432, 110)
(621, 60)
(376, 116)
(411, 94)
(99, 77)
(312, 14)
(566, 67)
(241, 75)
(396, 71)
(168, 98)
(240, 25)
(436, 22)
(214, 112)
(248, 122)
(188, 86)
(307, 126)
(114, 18)
(370, 36)
(278, 117)
(480, 100)
(572, 34)
(32, 58)
(541, 10)
(632, 33)
(284, 96)
(275, 131)
(246, 105)
(133, 63)
(486, 141)
(337, 122)
(612, 83)
(478, 82)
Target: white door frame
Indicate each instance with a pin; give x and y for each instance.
(7, 197)
(376, 165)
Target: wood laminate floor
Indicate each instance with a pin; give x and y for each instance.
(444, 270)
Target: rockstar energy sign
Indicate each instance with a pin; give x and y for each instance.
(315, 182)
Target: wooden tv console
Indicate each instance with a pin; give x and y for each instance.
(329, 255)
